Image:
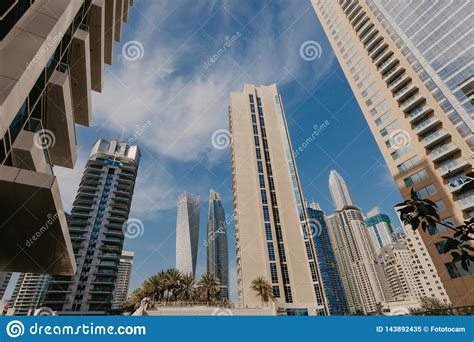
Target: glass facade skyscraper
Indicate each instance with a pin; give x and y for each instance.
(98, 225)
(187, 233)
(380, 229)
(217, 247)
(332, 283)
(409, 64)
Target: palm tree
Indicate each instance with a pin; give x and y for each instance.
(263, 289)
(152, 287)
(210, 287)
(187, 287)
(173, 278)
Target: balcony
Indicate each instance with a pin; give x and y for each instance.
(466, 200)
(456, 183)
(451, 166)
(418, 113)
(440, 153)
(411, 102)
(399, 82)
(434, 138)
(381, 54)
(427, 124)
(393, 73)
(372, 44)
(385, 66)
(405, 92)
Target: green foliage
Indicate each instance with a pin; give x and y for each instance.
(418, 212)
(263, 288)
(172, 287)
(432, 307)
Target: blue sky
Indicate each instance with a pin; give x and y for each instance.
(175, 104)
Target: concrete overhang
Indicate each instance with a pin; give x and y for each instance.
(60, 120)
(118, 19)
(96, 34)
(33, 228)
(109, 30)
(80, 72)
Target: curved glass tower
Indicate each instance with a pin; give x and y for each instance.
(217, 248)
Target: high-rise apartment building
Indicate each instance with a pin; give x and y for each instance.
(29, 293)
(339, 191)
(353, 238)
(217, 247)
(409, 66)
(354, 302)
(98, 227)
(380, 229)
(51, 55)
(332, 283)
(4, 281)
(187, 233)
(122, 281)
(271, 224)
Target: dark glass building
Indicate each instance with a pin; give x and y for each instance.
(332, 283)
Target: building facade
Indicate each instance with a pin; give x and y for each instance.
(122, 281)
(380, 229)
(332, 283)
(271, 225)
(354, 301)
(217, 247)
(52, 55)
(410, 69)
(29, 293)
(4, 281)
(98, 225)
(187, 233)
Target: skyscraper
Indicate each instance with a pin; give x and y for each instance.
(29, 293)
(271, 225)
(98, 225)
(4, 280)
(344, 266)
(123, 279)
(339, 191)
(353, 238)
(217, 248)
(332, 283)
(410, 69)
(52, 55)
(187, 233)
(380, 229)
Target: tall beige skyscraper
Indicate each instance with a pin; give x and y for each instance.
(271, 224)
(409, 66)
